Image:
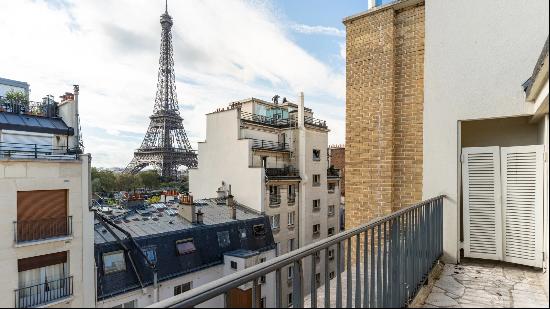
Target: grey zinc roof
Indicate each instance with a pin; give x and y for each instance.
(528, 84)
(150, 221)
(30, 123)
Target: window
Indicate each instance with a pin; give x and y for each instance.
(318, 279)
(273, 190)
(275, 222)
(234, 265)
(264, 161)
(331, 210)
(330, 231)
(289, 299)
(185, 246)
(114, 262)
(291, 244)
(331, 254)
(182, 288)
(259, 230)
(151, 254)
(317, 256)
(262, 278)
(331, 187)
(331, 275)
(316, 180)
(316, 229)
(316, 155)
(130, 304)
(290, 271)
(262, 302)
(242, 232)
(223, 239)
(316, 205)
(291, 216)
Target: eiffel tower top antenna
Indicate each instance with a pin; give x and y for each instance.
(166, 11)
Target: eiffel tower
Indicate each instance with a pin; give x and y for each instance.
(165, 145)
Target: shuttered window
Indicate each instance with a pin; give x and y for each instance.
(42, 261)
(40, 205)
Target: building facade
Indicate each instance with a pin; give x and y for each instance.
(433, 101)
(47, 246)
(153, 253)
(274, 157)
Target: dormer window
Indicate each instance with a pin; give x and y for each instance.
(259, 230)
(185, 246)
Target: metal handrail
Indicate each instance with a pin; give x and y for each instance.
(282, 172)
(35, 151)
(412, 242)
(271, 121)
(274, 199)
(268, 145)
(37, 230)
(315, 122)
(43, 293)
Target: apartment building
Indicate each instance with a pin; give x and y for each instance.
(47, 228)
(274, 157)
(150, 254)
(440, 88)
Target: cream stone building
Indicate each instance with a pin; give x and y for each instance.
(274, 157)
(438, 103)
(46, 247)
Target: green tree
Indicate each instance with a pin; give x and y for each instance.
(103, 180)
(150, 179)
(127, 182)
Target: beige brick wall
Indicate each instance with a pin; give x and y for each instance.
(384, 110)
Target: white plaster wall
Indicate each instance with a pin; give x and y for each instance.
(224, 157)
(47, 175)
(477, 55)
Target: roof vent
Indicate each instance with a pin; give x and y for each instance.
(171, 222)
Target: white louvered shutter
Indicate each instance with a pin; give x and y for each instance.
(522, 194)
(482, 203)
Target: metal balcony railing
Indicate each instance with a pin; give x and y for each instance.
(282, 172)
(270, 121)
(393, 255)
(37, 230)
(332, 172)
(26, 107)
(269, 145)
(291, 198)
(274, 199)
(35, 151)
(316, 122)
(44, 293)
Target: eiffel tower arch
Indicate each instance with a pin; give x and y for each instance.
(165, 146)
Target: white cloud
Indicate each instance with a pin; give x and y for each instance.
(307, 29)
(223, 50)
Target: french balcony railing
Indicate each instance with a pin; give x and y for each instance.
(40, 230)
(35, 151)
(44, 293)
(274, 199)
(390, 256)
(270, 121)
(332, 172)
(269, 145)
(25, 107)
(282, 172)
(291, 198)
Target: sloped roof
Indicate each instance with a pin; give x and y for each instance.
(30, 123)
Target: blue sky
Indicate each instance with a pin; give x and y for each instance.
(223, 51)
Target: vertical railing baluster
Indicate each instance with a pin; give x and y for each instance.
(358, 271)
(373, 267)
(366, 270)
(297, 299)
(278, 287)
(379, 269)
(385, 268)
(313, 286)
(255, 293)
(327, 279)
(339, 275)
(349, 277)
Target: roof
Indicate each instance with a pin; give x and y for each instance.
(30, 123)
(14, 83)
(162, 237)
(528, 84)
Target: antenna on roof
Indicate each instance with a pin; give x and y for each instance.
(166, 6)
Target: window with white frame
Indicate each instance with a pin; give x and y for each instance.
(316, 204)
(316, 180)
(291, 217)
(275, 222)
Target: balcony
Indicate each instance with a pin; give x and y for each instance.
(291, 198)
(282, 173)
(44, 293)
(264, 120)
(47, 108)
(315, 122)
(269, 145)
(333, 173)
(42, 230)
(35, 151)
(380, 264)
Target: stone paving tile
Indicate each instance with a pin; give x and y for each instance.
(487, 284)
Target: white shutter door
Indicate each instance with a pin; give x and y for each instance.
(482, 203)
(522, 169)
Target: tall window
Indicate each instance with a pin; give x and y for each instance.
(331, 210)
(291, 244)
(316, 229)
(330, 231)
(316, 155)
(291, 217)
(316, 204)
(316, 180)
(275, 222)
(48, 277)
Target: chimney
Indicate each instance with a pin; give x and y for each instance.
(232, 206)
(301, 111)
(186, 208)
(199, 217)
(76, 142)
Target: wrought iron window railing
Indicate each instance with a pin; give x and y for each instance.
(270, 121)
(37, 230)
(282, 172)
(269, 145)
(26, 107)
(392, 257)
(274, 199)
(291, 198)
(332, 172)
(44, 293)
(35, 151)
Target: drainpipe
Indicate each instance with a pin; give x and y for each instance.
(156, 286)
(302, 164)
(76, 89)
